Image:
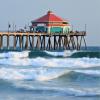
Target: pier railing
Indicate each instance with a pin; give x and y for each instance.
(79, 33)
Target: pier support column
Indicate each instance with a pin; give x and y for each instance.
(26, 44)
(74, 45)
(1, 41)
(49, 43)
(14, 42)
(68, 42)
(77, 42)
(62, 40)
(32, 42)
(73, 42)
(20, 41)
(55, 42)
(38, 42)
(80, 42)
(7, 41)
(59, 42)
(43, 42)
(84, 42)
(44, 47)
(16, 39)
(82, 38)
(65, 42)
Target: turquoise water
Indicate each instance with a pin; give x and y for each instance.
(50, 75)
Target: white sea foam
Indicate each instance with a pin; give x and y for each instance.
(54, 62)
(23, 54)
(65, 53)
(31, 74)
(83, 92)
(89, 72)
(39, 74)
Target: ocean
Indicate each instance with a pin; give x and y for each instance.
(50, 75)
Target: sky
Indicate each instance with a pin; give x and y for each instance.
(77, 12)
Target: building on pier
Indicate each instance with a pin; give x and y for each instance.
(50, 23)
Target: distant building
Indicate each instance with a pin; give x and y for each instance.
(50, 23)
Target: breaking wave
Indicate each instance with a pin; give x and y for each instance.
(22, 54)
(42, 74)
(65, 53)
(54, 62)
(50, 54)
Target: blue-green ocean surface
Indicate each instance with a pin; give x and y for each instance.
(50, 75)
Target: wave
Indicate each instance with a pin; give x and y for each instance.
(65, 53)
(28, 87)
(43, 74)
(11, 54)
(34, 54)
(29, 80)
(52, 62)
(89, 54)
(89, 72)
(85, 77)
(83, 92)
(50, 54)
(56, 91)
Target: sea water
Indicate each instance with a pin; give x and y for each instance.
(50, 75)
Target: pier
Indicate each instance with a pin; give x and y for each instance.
(48, 32)
(43, 41)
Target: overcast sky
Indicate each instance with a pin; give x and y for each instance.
(78, 12)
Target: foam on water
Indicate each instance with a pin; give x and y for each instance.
(65, 53)
(22, 54)
(83, 92)
(60, 91)
(40, 74)
(54, 62)
(89, 72)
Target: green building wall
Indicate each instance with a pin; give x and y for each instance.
(64, 30)
(41, 29)
(56, 30)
